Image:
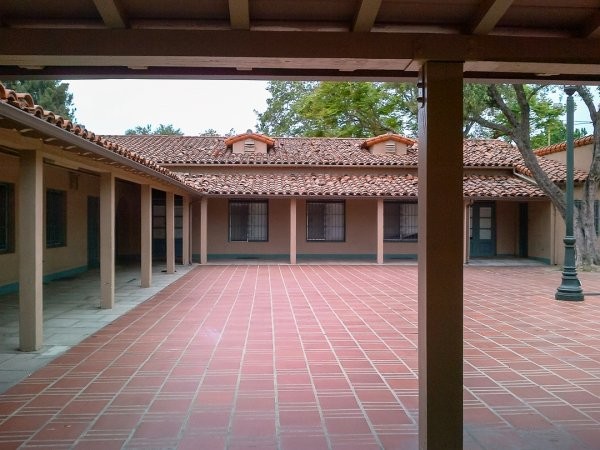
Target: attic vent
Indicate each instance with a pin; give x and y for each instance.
(390, 147)
(249, 146)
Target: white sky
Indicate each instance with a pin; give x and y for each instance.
(113, 106)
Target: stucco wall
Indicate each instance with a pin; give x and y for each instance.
(78, 186)
(361, 233)
(507, 228)
(74, 254)
(540, 224)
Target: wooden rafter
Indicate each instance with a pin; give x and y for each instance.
(111, 12)
(366, 15)
(591, 29)
(488, 15)
(239, 14)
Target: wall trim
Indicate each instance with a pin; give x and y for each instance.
(14, 287)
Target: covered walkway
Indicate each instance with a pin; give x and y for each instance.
(319, 357)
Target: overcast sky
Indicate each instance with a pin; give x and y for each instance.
(112, 106)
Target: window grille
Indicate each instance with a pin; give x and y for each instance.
(248, 221)
(325, 221)
(249, 146)
(400, 221)
(6, 218)
(56, 218)
(390, 147)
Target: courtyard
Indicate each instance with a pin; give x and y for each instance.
(316, 357)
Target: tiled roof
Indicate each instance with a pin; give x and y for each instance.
(285, 151)
(486, 153)
(25, 103)
(402, 186)
(479, 186)
(562, 146)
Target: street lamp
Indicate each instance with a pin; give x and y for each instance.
(570, 287)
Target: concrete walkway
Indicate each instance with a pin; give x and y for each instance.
(71, 313)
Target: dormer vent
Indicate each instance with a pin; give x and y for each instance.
(249, 146)
(388, 144)
(249, 143)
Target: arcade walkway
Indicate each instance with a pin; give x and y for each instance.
(316, 357)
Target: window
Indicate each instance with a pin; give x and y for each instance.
(325, 221)
(400, 221)
(7, 218)
(56, 218)
(248, 221)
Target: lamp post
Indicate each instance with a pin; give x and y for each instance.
(570, 287)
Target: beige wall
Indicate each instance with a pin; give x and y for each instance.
(582, 157)
(77, 186)
(507, 228)
(74, 254)
(540, 225)
(361, 222)
(218, 229)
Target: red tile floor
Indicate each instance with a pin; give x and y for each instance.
(316, 357)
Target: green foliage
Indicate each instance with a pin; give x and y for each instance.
(161, 129)
(52, 95)
(338, 109)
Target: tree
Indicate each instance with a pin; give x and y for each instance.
(161, 129)
(339, 109)
(524, 114)
(52, 95)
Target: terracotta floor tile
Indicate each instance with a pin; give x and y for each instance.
(315, 357)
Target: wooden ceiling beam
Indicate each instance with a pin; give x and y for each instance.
(591, 29)
(488, 15)
(366, 15)
(112, 13)
(239, 14)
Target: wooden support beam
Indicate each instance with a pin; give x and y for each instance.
(591, 28)
(293, 230)
(146, 235)
(31, 248)
(366, 15)
(107, 240)
(488, 15)
(441, 234)
(186, 235)
(380, 231)
(112, 13)
(170, 212)
(203, 230)
(239, 14)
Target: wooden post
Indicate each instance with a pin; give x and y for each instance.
(107, 240)
(203, 230)
(170, 212)
(146, 235)
(30, 245)
(441, 235)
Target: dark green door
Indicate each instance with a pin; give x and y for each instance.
(483, 229)
(93, 232)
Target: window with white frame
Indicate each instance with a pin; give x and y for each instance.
(56, 218)
(248, 221)
(325, 221)
(7, 218)
(400, 221)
